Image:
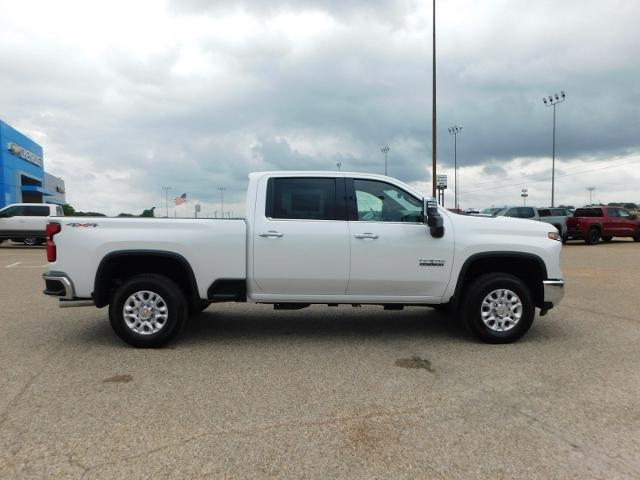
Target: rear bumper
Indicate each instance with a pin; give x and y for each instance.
(553, 292)
(58, 284)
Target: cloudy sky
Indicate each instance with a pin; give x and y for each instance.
(128, 96)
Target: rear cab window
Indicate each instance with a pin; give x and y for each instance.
(588, 212)
(304, 198)
(36, 211)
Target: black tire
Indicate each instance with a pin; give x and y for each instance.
(636, 237)
(592, 237)
(565, 238)
(606, 238)
(175, 307)
(480, 289)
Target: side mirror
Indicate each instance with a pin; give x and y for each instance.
(432, 218)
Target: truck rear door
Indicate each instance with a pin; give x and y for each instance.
(301, 244)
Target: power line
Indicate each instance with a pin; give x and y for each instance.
(546, 179)
(529, 175)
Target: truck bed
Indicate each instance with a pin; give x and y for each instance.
(214, 248)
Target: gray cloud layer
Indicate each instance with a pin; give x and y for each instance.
(203, 110)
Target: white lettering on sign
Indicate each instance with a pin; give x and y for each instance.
(24, 154)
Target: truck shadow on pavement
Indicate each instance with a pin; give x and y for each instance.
(309, 325)
(318, 323)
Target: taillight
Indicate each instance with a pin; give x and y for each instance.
(52, 229)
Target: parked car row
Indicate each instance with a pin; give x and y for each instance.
(27, 222)
(591, 224)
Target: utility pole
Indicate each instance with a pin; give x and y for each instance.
(166, 198)
(552, 101)
(222, 189)
(433, 111)
(455, 130)
(385, 150)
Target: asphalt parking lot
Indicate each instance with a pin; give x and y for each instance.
(249, 392)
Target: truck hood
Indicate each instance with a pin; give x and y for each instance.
(513, 226)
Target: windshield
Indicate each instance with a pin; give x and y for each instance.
(491, 211)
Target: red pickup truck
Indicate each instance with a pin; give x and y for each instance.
(593, 223)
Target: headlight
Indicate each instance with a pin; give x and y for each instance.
(554, 236)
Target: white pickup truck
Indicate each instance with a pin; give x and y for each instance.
(309, 238)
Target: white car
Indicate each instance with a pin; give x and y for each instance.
(27, 222)
(309, 238)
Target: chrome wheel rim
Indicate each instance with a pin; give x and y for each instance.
(145, 312)
(30, 241)
(501, 310)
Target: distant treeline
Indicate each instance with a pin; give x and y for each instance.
(69, 211)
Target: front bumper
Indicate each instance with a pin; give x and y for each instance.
(58, 284)
(553, 292)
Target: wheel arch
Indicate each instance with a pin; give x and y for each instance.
(118, 266)
(528, 267)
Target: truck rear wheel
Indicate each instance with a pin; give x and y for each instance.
(592, 237)
(148, 310)
(498, 308)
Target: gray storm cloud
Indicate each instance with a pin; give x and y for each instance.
(204, 110)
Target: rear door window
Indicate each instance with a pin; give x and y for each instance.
(545, 212)
(36, 211)
(588, 212)
(302, 199)
(526, 212)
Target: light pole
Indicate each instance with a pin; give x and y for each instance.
(591, 190)
(455, 130)
(339, 165)
(524, 195)
(385, 150)
(552, 101)
(166, 198)
(433, 107)
(222, 189)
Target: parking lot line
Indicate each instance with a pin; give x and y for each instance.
(18, 265)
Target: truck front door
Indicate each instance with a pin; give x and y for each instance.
(392, 251)
(301, 238)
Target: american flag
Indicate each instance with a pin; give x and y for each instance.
(181, 199)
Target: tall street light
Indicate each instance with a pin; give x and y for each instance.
(339, 165)
(166, 198)
(433, 108)
(552, 101)
(455, 130)
(222, 189)
(385, 150)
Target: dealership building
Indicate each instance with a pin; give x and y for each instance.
(22, 175)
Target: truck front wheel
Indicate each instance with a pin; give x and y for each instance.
(498, 308)
(148, 310)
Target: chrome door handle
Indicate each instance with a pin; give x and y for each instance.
(271, 233)
(372, 236)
